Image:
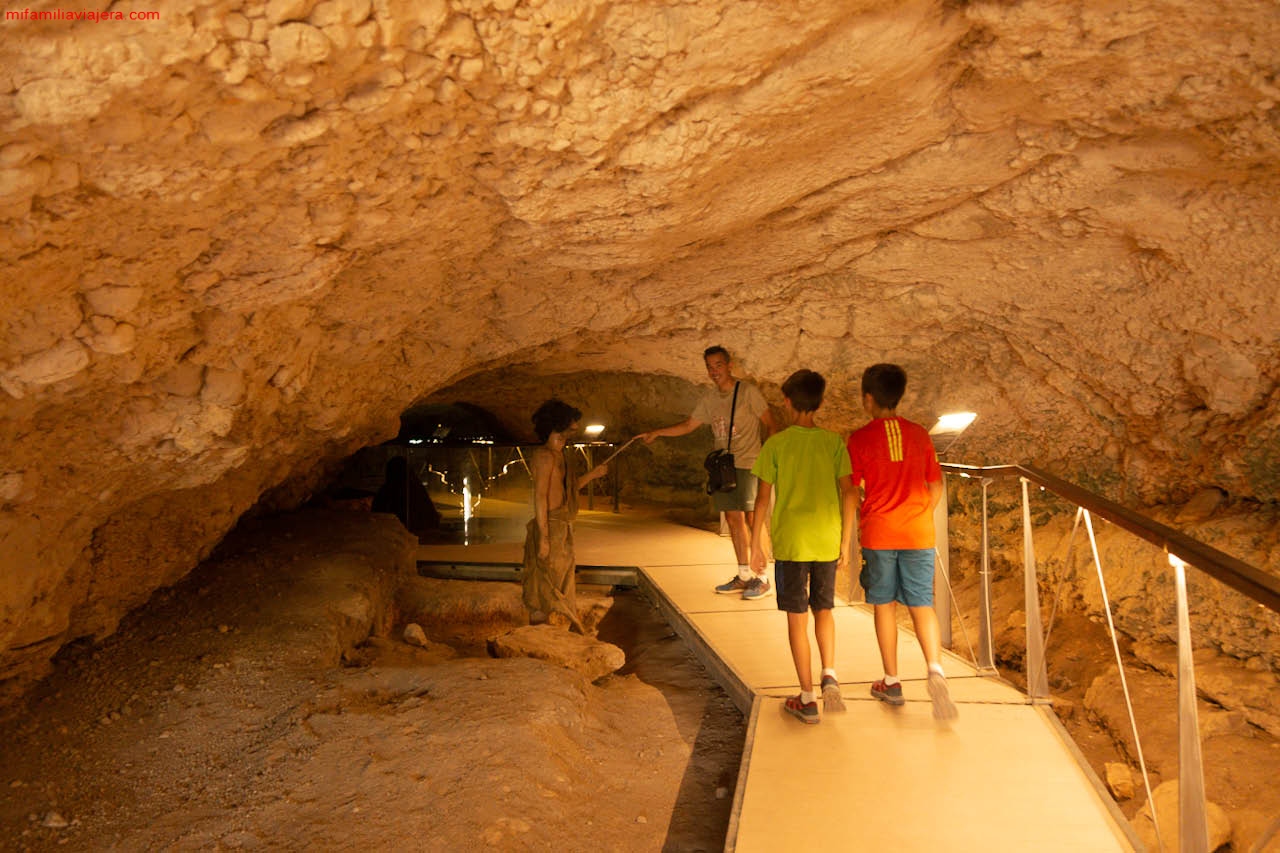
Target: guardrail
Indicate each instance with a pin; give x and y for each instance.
(1183, 551)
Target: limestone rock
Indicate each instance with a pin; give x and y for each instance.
(414, 635)
(593, 658)
(1255, 831)
(1166, 801)
(1119, 780)
(1228, 681)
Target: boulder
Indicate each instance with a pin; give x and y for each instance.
(1119, 780)
(1166, 800)
(590, 657)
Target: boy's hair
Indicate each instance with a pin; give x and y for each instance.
(804, 389)
(886, 384)
(554, 416)
(715, 350)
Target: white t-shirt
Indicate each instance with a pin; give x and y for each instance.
(713, 410)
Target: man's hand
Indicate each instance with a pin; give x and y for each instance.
(842, 564)
(758, 560)
(544, 548)
(648, 437)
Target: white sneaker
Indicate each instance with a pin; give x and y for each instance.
(943, 707)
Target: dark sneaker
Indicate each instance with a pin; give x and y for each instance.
(943, 708)
(888, 693)
(757, 588)
(831, 698)
(732, 585)
(805, 712)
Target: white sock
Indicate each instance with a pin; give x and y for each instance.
(807, 696)
(745, 573)
(937, 667)
(890, 680)
(830, 672)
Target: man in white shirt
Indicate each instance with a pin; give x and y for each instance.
(748, 414)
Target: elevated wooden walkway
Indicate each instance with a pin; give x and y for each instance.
(1004, 776)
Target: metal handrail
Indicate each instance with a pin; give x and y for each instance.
(1237, 574)
(1183, 551)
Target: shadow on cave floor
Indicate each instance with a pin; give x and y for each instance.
(706, 716)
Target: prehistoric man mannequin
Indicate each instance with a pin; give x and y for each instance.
(716, 408)
(550, 590)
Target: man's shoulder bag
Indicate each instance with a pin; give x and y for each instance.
(722, 476)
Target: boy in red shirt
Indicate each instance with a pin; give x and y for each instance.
(893, 459)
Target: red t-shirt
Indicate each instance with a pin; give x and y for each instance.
(893, 460)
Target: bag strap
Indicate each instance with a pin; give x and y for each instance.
(733, 409)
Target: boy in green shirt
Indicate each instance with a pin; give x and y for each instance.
(812, 528)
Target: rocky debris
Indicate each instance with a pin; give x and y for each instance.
(1166, 801)
(1255, 831)
(1226, 680)
(414, 635)
(1119, 780)
(475, 612)
(592, 658)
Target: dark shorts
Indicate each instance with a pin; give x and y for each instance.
(905, 576)
(741, 499)
(805, 585)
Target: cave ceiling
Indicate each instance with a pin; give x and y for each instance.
(238, 239)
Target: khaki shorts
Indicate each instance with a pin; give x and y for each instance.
(741, 499)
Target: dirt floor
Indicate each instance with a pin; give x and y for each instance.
(244, 708)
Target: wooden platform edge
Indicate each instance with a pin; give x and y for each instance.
(620, 576)
(740, 786)
(724, 674)
(1122, 824)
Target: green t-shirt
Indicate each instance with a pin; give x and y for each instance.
(804, 465)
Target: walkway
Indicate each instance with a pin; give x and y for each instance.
(1005, 776)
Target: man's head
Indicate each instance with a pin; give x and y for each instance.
(719, 366)
(804, 389)
(554, 416)
(884, 384)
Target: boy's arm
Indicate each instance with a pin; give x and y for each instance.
(935, 493)
(764, 491)
(848, 519)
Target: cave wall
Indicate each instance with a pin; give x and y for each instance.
(238, 240)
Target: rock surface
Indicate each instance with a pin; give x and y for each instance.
(588, 657)
(1119, 780)
(1218, 825)
(238, 710)
(237, 238)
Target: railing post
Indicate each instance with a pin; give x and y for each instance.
(986, 645)
(1037, 675)
(1193, 824)
(941, 577)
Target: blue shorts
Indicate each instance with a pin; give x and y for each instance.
(905, 576)
(802, 585)
(741, 499)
